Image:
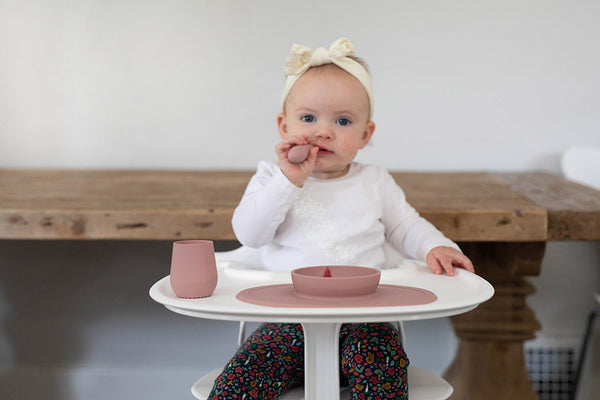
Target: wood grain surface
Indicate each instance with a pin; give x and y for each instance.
(165, 205)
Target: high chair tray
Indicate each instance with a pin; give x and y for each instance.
(455, 295)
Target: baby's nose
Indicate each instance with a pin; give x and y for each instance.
(324, 132)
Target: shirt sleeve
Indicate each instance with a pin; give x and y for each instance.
(406, 230)
(268, 197)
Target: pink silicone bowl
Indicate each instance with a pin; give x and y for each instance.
(345, 281)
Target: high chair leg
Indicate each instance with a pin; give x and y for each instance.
(242, 333)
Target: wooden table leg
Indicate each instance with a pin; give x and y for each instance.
(490, 362)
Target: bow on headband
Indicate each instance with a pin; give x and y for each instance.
(301, 58)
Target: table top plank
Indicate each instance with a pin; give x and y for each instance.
(172, 205)
(473, 206)
(112, 204)
(573, 209)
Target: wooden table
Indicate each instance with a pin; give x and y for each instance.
(501, 220)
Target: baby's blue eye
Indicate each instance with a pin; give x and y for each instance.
(344, 121)
(308, 118)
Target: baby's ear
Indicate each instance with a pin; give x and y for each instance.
(367, 134)
(282, 125)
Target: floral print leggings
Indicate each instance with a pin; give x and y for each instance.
(373, 363)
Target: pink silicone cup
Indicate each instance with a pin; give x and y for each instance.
(299, 153)
(345, 281)
(193, 268)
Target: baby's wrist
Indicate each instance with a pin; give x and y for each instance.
(296, 181)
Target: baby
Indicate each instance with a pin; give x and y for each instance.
(328, 210)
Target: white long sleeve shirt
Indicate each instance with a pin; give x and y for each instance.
(341, 221)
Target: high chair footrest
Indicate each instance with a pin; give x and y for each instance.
(422, 385)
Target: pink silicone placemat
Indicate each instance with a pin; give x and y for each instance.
(385, 296)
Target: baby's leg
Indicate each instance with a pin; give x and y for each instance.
(268, 363)
(373, 361)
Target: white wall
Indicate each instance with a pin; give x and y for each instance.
(459, 85)
(195, 84)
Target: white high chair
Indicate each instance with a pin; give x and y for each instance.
(422, 384)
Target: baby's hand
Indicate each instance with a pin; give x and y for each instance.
(446, 258)
(297, 173)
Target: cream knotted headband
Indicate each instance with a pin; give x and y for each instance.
(301, 58)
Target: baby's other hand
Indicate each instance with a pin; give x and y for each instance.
(444, 258)
(297, 173)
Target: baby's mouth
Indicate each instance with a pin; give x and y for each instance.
(324, 151)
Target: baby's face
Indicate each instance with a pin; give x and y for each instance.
(331, 108)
